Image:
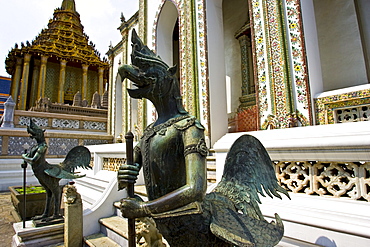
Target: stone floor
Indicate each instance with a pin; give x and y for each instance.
(6, 220)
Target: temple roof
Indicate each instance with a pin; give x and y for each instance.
(64, 38)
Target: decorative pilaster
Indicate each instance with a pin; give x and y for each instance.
(111, 108)
(279, 69)
(62, 79)
(298, 63)
(248, 97)
(85, 67)
(16, 79)
(247, 86)
(101, 80)
(202, 58)
(24, 86)
(35, 81)
(262, 78)
(42, 77)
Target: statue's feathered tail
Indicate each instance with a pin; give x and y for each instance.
(79, 156)
(236, 217)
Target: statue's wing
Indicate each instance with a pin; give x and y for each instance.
(248, 172)
(57, 172)
(79, 156)
(246, 231)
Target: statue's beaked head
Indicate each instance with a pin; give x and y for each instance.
(153, 78)
(35, 132)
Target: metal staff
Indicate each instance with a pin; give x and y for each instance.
(130, 187)
(24, 166)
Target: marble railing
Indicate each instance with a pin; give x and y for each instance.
(329, 179)
(63, 132)
(60, 121)
(325, 160)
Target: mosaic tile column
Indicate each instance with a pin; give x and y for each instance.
(261, 65)
(202, 73)
(101, 80)
(247, 86)
(281, 95)
(62, 79)
(35, 80)
(24, 86)
(278, 95)
(42, 77)
(298, 63)
(85, 67)
(111, 101)
(16, 78)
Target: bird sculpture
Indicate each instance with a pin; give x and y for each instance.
(49, 175)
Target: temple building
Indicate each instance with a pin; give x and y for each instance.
(293, 73)
(60, 82)
(57, 64)
(254, 65)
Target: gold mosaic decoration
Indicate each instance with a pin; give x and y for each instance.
(113, 164)
(325, 105)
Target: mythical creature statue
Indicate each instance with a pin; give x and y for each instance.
(49, 175)
(172, 153)
(146, 228)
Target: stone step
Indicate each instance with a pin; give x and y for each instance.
(115, 228)
(100, 240)
(140, 190)
(291, 242)
(32, 236)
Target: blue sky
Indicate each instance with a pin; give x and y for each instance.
(22, 20)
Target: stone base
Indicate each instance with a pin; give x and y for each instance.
(40, 223)
(32, 236)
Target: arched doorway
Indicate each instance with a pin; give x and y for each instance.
(167, 31)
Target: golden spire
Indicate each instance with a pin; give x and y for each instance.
(69, 5)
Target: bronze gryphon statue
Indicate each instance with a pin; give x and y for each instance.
(49, 175)
(172, 153)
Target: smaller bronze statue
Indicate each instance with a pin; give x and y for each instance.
(49, 175)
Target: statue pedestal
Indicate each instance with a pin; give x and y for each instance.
(32, 236)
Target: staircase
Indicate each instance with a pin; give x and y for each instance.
(113, 229)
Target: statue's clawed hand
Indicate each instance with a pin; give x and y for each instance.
(26, 158)
(127, 174)
(134, 208)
